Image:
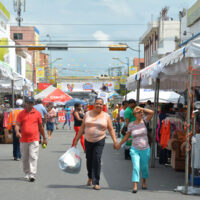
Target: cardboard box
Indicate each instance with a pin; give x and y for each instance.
(8, 137)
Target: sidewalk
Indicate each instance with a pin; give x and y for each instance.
(51, 183)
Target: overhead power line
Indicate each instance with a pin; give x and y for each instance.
(46, 24)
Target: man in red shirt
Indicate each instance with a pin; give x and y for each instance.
(28, 126)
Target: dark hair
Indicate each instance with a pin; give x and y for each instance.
(104, 87)
(131, 101)
(99, 99)
(149, 102)
(39, 101)
(124, 103)
(76, 105)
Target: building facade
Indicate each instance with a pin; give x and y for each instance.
(159, 39)
(27, 35)
(7, 55)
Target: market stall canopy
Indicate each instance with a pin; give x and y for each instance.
(148, 94)
(172, 70)
(20, 83)
(5, 71)
(52, 94)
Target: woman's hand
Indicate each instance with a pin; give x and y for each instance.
(118, 146)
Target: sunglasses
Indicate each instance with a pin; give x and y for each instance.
(140, 112)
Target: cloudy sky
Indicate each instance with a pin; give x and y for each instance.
(91, 23)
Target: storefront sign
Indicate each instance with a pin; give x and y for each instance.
(42, 86)
(40, 72)
(61, 117)
(132, 70)
(123, 80)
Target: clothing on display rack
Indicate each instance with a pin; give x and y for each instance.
(196, 151)
(171, 126)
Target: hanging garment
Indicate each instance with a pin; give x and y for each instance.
(165, 134)
(196, 151)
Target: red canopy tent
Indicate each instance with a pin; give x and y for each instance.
(57, 96)
(52, 94)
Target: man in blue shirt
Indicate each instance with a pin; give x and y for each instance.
(39, 107)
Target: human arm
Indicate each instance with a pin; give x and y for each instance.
(125, 138)
(77, 116)
(149, 113)
(41, 129)
(112, 132)
(17, 128)
(80, 132)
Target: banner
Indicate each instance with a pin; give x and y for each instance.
(87, 85)
(51, 79)
(40, 72)
(61, 117)
(132, 70)
(42, 86)
(117, 85)
(123, 80)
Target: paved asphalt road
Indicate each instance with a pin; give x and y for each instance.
(53, 184)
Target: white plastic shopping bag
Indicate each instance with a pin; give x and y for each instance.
(70, 161)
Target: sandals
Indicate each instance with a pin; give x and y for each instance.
(96, 187)
(89, 183)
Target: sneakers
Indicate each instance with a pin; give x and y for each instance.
(26, 177)
(31, 178)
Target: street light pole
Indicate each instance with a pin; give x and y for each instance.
(50, 64)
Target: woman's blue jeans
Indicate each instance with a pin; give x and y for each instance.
(140, 160)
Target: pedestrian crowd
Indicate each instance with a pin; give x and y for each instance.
(92, 123)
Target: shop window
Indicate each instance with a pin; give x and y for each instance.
(18, 36)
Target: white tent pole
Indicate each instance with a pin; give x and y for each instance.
(138, 92)
(156, 99)
(13, 96)
(188, 127)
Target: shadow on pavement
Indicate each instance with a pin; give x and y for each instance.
(69, 186)
(12, 179)
(118, 172)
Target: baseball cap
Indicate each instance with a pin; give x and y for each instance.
(19, 102)
(30, 99)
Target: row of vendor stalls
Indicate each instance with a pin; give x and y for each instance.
(178, 71)
(11, 83)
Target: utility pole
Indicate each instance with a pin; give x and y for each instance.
(18, 6)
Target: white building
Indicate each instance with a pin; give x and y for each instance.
(159, 39)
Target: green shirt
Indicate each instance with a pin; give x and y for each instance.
(128, 114)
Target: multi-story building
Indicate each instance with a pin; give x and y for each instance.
(190, 24)
(159, 39)
(7, 55)
(27, 35)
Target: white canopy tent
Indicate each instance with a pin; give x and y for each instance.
(12, 82)
(175, 72)
(172, 70)
(148, 94)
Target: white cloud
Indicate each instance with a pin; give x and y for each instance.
(102, 37)
(119, 7)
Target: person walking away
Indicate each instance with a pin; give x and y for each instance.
(104, 95)
(78, 118)
(11, 126)
(51, 115)
(94, 126)
(28, 126)
(39, 107)
(140, 149)
(67, 117)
